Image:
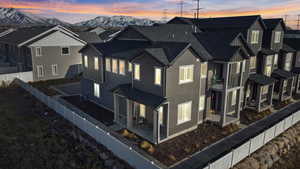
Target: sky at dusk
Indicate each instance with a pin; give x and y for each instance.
(78, 10)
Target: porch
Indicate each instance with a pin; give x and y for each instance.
(142, 113)
(283, 85)
(259, 92)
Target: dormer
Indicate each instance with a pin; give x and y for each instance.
(274, 34)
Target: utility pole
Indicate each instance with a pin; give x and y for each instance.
(298, 22)
(181, 5)
(165, 15)
(198, 9)
(286, 18)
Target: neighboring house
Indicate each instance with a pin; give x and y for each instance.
(49, 52)
(109, 34)
(292, 45)
(278, 60)
(155, 79)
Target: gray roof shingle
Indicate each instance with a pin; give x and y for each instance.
(261, 79)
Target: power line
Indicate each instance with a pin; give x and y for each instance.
(286, 18)
(197, 9)
(181, 5)
(298, 22)
(165, 15)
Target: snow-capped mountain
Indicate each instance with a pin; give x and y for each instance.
(116, 21)
(11, 16)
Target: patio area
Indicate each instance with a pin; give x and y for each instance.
(102, 115)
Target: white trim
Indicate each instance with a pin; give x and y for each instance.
(108, 62)
(38, 54)
(54, 67)
(185, 72)
(157, 81)
(42, 73)
(96, 63)
(135, 72)
(187, 119)
(57, 28)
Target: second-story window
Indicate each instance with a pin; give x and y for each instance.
(264, 90)
(107, 65)
(253, 63)
(96, 63)
(268, 70)
(157, 78)
(137, 75)
(115, 66)
(277, 38)
(122, 67)
(275, 59)
(288, 62)
(96, 90)
(186, 74)
(85, 60)
(203, 70)
(38, 51)
(269, 60)
(255, 37)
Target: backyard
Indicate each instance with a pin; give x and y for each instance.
(29, 137)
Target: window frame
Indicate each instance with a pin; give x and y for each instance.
(135, 77)
(69, 52)
(86, 61)
(122, 71)
(238, 68)
(108, 64)
(201, 101)
(114, 68)
(142, 107)
(265, 90)
(253, 61)
(275, 60)
(96, 65)
(96, 88)
(129, 67)
(203, 65)
(157, 82)
(185, 70)
(277, 37)
(255, 36)
(42, 73)
(54, 73)
(267, 73)
(188, 117)
(160, 112)
(38, 54)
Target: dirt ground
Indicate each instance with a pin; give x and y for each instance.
(290, 160)
(28, 141)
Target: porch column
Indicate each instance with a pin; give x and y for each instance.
(129, 113)
(259, 97)
(291, 88)
(271, 94)
(280, 90)
(115, 108)
(155, 127)
(224, 94)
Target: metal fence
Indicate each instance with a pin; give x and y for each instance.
(136, 158)
(24, 76)
(97, 130)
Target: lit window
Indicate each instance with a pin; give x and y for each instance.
(54, 70)
(96, 90)
(96, 62)
(129, 67)
(255, 37)
(269, 60)
(85, 61)
(115, 66)
(285, 84)
(253, 63)
(201, 103)
(233, 98)
(142, 111)
(277, 37)
(40, 71)
(137, 72)
(268, 70)
(238, 67)
(265, 90)
(248, 92)
(184, 112)
(203, 70)
(107, 64)
(122, 67)
(157, 79)
(65, 51)
(288, 62)
(161, 115)
(38, 51)
(275, 59)
(186, 74)
(244, 66)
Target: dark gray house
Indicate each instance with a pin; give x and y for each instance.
(158, 80)
(49, 52)
(291, 45)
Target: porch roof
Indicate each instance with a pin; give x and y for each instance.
(282, 74)
(265, 51)
(296, 70)
(139, 96)
(261, 79)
